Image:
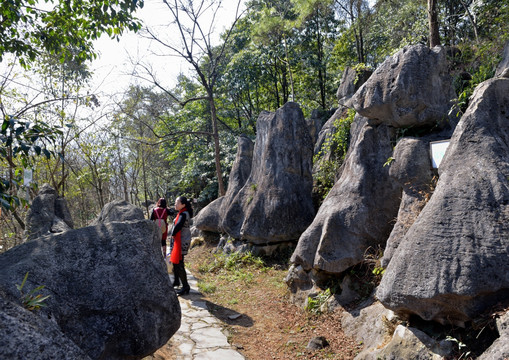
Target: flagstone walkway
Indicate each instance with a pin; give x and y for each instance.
(201, 335)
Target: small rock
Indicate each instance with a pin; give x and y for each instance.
(234, 316)
(317, 343)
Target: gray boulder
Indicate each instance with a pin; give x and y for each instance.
(25, 335)
(368, 324)
(411, 169)
(410, 343)
(411, 88)
(110, 294)
(48, 214)
(357, 212)
(275, 203)
(454, 256)
(500, 347)
(118, 210)
(209, 218)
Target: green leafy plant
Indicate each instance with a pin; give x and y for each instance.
(389, 161)
(315, 304)
(207, 288)
(378, 271)
(461, 347)
(32, 300)
(336, 147)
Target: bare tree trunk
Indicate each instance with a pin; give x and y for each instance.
(472, 21)
(434, 36)
(289, 68)
(217, 153)
(145, 183)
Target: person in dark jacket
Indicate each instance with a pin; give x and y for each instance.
(161, 212)
(180, 228)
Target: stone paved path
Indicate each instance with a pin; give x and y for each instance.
(200, 336)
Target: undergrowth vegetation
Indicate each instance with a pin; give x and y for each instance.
(241, 283)
(332, 155)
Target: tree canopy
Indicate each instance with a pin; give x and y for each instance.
(168, 141)
(30, 27)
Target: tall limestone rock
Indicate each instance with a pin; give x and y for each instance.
(411, 169)
(412, 89)
(358, 210)
(452, 264)
(48, 214)
(275, 203)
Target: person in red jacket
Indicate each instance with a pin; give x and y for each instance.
(180, 228)
(161, 212)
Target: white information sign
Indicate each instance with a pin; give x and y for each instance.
(438, 149)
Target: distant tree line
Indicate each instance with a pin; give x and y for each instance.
(158, 141)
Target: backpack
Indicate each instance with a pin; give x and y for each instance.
(161, 224)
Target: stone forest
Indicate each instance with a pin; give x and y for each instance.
(444, 232)
(419, 201)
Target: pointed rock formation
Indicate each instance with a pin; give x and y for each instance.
(452, 264)
(275, 203)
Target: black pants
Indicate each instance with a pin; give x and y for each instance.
(179, 271)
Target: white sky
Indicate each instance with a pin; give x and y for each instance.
(113, 66)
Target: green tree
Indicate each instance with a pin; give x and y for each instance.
(274, 30)
(29, 28)
(316, 41)
(195, 22)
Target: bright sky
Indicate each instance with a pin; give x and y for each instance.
(113, 66)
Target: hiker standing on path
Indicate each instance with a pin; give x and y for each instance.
(180, 241)
(161, 212)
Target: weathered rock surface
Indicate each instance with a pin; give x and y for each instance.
(454, 256)
(500, 347)
(110, 293)
(275, 203)
(411, 169)
(410, 343)
(359, 209)
(119, 210)
(239, 175)
(209, 218)
(48, 214)
(25, 335)
(367, 324)
(411, 88)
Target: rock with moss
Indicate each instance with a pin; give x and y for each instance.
(357, 212)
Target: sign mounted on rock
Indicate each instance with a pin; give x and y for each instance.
(438, 149)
